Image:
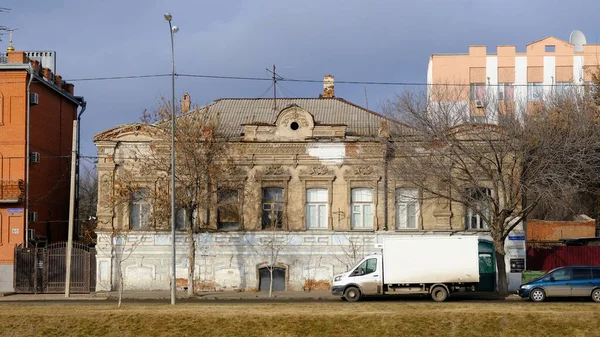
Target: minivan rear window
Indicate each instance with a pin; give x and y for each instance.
(581, 274)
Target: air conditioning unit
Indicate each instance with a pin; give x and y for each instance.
(33, 216)
(479, 104)
(34, 157)
(33, 98)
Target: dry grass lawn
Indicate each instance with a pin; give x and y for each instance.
(393, 318)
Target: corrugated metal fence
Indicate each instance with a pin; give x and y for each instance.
(547, 258)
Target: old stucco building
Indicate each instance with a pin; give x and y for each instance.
(313, 169)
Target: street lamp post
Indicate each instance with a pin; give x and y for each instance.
(172, 30)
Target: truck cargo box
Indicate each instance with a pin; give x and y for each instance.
(417, 260)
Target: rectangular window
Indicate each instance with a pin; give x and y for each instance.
(182, 220)
(316, 208)
(272, 208)
(477, 91)
(582, 274)
(362, 208)
(407, 208)
(228, 209)
(506, 92)
(139, 209)
(535, 91)
(478, 207)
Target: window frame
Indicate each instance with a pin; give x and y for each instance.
(502, 91)
(280, 213)
(236, 199)
(471, 214)
(412, 196)
(535, 96)
(138, 199)
(362, 205)
(318, 205)
(474, 92)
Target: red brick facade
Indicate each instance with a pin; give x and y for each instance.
(51, 127)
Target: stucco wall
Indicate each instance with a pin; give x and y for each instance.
(230, 261)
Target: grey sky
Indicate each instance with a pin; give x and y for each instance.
(377, 40)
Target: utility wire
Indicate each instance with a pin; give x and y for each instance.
(285, 79)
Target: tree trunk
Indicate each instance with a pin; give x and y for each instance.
(271, 281)
(501, 267)
(120, 285)
(191, 263)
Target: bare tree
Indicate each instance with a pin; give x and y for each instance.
(270, 246)
(88, 203)
(201, 159)
(497, 160)
(353, 249)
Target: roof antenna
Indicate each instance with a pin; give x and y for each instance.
(275, 78)
(366, 98)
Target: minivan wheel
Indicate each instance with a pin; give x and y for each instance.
(537, 295)
(596, 295)
(352, 294)
(439, 294)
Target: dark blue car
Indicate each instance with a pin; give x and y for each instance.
(572, 281)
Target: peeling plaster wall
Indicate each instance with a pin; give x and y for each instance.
(327, 153)
(229, 261)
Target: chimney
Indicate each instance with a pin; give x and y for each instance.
(185, 103)
(328, 91)
(16, 57)
(58, 80)
(36, 66)
(69, 87)
(47, 73)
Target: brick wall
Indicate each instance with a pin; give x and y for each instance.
(540, 230)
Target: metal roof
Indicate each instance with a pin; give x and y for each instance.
(234, 112)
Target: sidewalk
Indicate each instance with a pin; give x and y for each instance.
(165, 295)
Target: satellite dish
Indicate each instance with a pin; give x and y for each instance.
(578, 40)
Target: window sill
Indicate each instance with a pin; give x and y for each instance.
(407, 229)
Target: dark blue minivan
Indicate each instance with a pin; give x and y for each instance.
(572, 281)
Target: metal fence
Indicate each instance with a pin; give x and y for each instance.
(547, 258)
(43, 270)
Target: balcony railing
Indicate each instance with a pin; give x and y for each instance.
(11, 190)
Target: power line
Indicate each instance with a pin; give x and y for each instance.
(299, 80)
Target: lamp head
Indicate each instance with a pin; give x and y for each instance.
(175, 29)
(168, 17)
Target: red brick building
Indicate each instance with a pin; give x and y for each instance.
(37, 109)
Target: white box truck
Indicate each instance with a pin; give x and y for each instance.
(436, 266)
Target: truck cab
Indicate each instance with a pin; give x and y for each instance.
(366, 278)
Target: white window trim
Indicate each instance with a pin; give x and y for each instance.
(405, 197)
(136, 205)
(361, 213)
(322, 222)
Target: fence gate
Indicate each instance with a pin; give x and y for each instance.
(42, 270)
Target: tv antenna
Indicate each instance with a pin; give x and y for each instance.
(275, 78)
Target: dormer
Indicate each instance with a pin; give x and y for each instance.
(293, 123)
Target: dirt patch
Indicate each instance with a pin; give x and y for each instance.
(310, 285)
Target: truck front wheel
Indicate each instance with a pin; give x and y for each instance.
(439, 294)
(352, 294)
